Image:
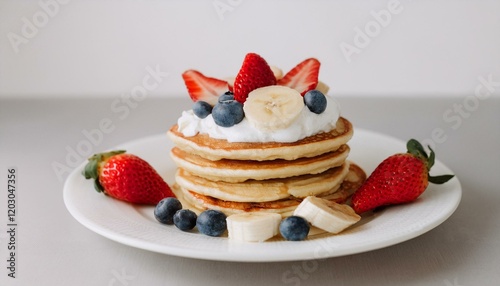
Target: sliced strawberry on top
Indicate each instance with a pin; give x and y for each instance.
(204, 88)
(303, 77)
(254, 73)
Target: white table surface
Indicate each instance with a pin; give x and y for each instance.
(54, 249)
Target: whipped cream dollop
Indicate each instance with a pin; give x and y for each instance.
(306, 124)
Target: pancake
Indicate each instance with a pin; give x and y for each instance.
(265, 190)
(217, 149)
(352, 182)
(242, 170)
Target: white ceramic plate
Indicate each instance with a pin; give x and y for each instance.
(136, 226)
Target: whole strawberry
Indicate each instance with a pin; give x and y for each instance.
(126, 177)
(401, 178)
(254, 73)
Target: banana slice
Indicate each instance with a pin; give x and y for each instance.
(278, 73)
(253, 226)
(323, 87)
(273, 107)
(326, 215)
(230, 81)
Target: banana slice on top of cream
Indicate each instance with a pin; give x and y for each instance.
(273, 107)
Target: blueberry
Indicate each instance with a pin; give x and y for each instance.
(294, 228)
(315, 100)
(165, 210)
(185, 219)
(228, 113)
(211, 222)
(226, 96)
(202, 109)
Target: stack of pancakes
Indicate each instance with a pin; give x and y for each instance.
(273, 177)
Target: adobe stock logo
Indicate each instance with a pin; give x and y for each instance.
(30, 27)
(459, 112)
(120, 110)
(363, 38)
(300, 272)
(121, 277)
(224, 6)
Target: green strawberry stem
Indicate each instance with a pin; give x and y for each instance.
(91, 169)
(416, 149)
(440, 179)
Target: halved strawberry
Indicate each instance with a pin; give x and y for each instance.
(254, 73)
(204, 88)
(303, 77)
